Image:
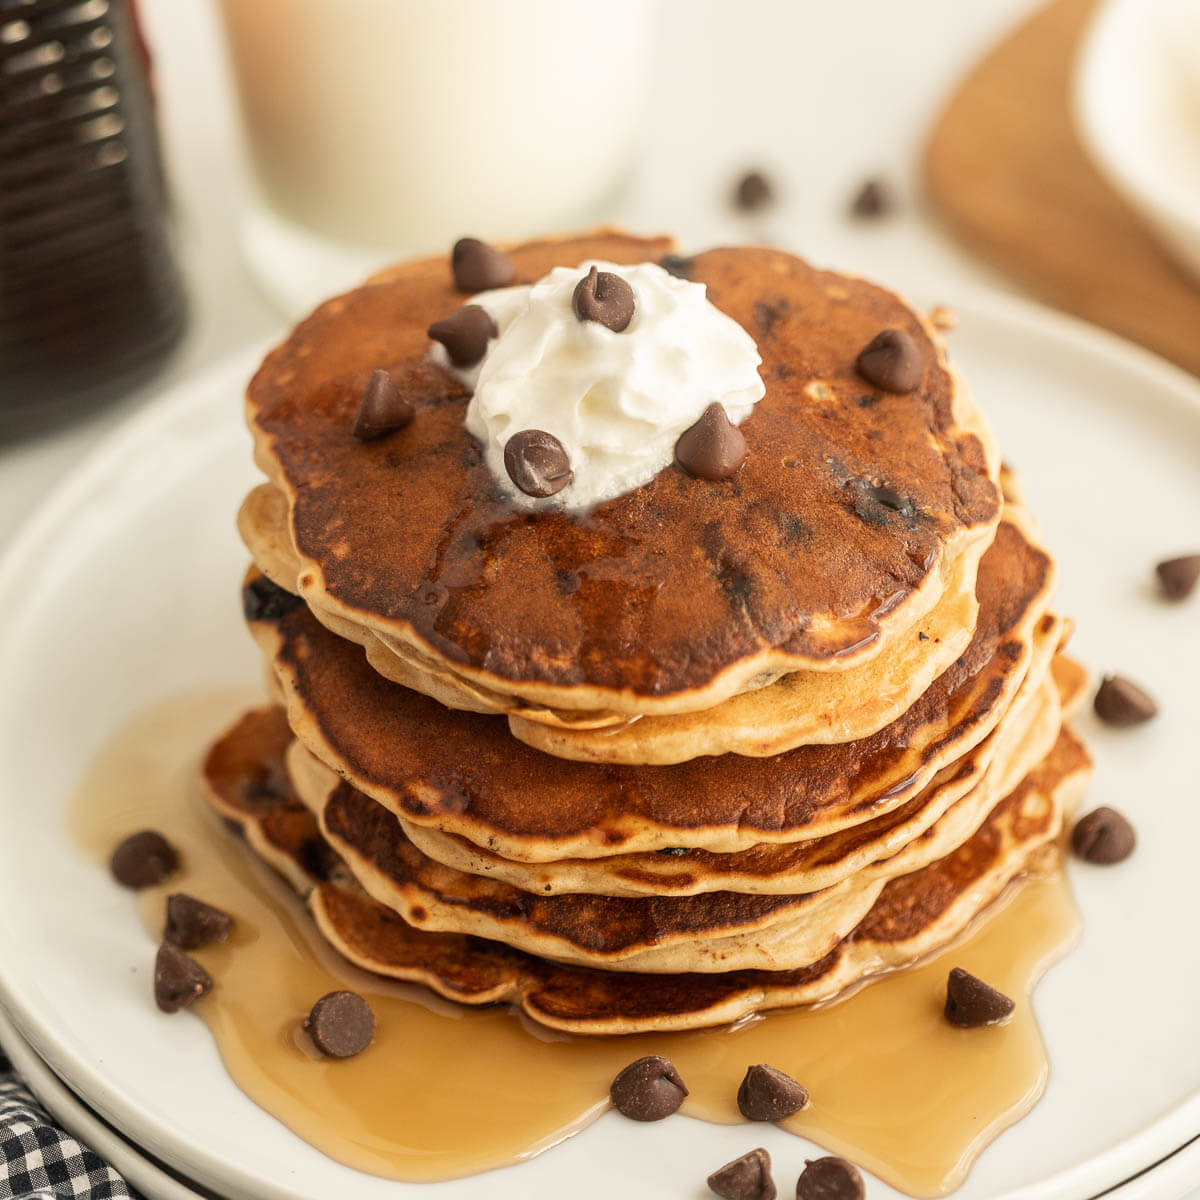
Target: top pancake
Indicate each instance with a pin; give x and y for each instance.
(838, 530)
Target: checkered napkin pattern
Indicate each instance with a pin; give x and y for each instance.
(40, 1161)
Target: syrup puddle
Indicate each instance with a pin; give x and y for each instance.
(894, 1088)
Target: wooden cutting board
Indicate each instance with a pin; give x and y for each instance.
(1006, 171)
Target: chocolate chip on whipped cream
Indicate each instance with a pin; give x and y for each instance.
(892, 361)
(537, 463)
(970, 1002)
(144, 859)
(616, 397)
(478, 266)
(746, 1178)
(649, 1089)
(713, 448)
(384, 409)
(465, 334)
(606, 298)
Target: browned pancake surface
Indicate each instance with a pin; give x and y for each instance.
(840, 512)
(465, 773)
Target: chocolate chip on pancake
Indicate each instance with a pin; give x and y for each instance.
(648, 1089)
(753, 192)
(746, 1178)
(465, 334)
(537, 463)
(192, 923)
(384, 409)
(143, 860)
(1103, 836)
(829, 1178)
(872, 200)
(606, 298)
(478, 267)
(892, 361)
(713, 448)
(263, 600)
(1177, 576)
(971, 1003)
(768, 1094)
(178, 979)
(1122, 703)
(341, 1024)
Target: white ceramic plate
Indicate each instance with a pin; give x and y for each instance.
(123, 591)
(1137, 108)
(77, 1119)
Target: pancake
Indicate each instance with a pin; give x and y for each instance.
(463, 774)
(838, 533)
(803, 707)
(1024, 737)
(912, 916)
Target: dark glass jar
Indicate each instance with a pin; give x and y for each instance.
(90, 296)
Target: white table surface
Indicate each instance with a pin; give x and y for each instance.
(818, 94)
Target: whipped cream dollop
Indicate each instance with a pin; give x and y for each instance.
(617, 402)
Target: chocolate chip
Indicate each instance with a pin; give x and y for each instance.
(465, 334)
(713, 448)
(478, 267)
(341, 1024)
(746, 1178)
(383, 408)
(178, 979)
(648, 1089)
(605, 298)
(767, 1094)
(679, 265)
(829, 1179)
(143, 860)
(537, 463)
(872, 200)
(1122, 703)
(970, 1002)
(753, 192)
(191, 923)
(891, 360)
(1103, 836)
(263, 600)
(1177, 576)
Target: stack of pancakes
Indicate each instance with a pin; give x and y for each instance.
(708, 749)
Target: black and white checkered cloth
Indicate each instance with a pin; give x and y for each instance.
(40, 1161)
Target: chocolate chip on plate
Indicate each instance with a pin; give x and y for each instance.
(465, 334)
(478, 267)
(1103, 836)
(971, 1003)
(537, 463)
(341, 1024)
(746, 1178)
(178, 979)
(383, 409)
(873, 199)
(1122, 703)
(1177, 576)
(605, 298)
(767, 1094)
(713, 448)
(753, 192)
(829, 1178)
(892, 360)
(143, 860)
(648, 1089)
(192, 923)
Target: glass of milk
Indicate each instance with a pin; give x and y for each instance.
(377, 129)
